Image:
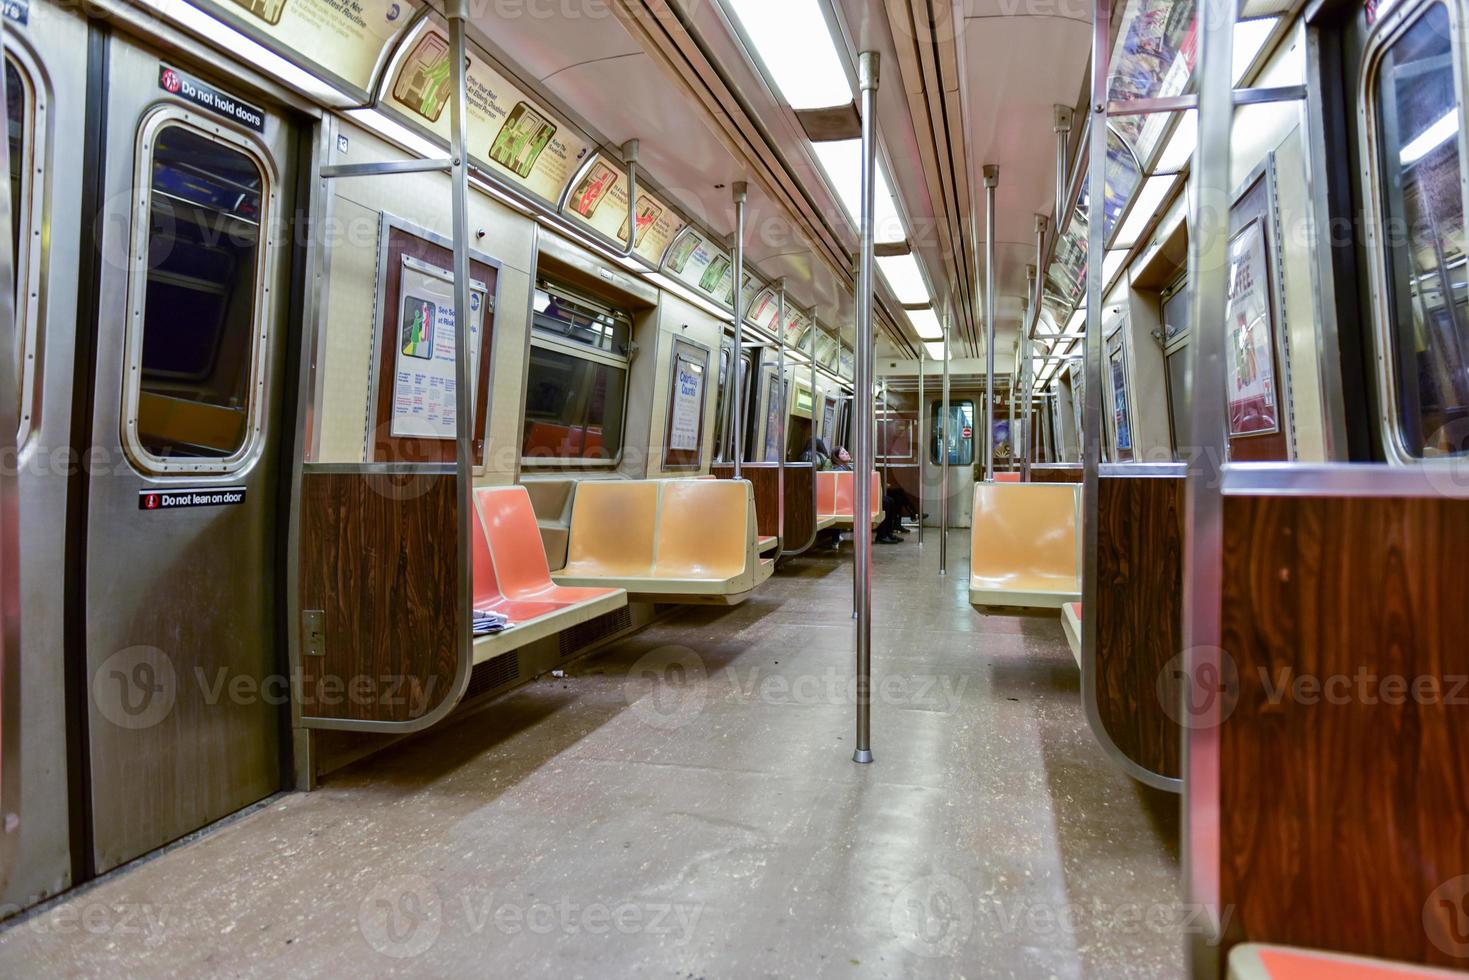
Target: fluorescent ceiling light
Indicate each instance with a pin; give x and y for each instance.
(903, 274)
(935, 351)
(1180, 148)
(1111, 262)
(1144, 208)
(1249, 38)
(1431, 138)
(926, 324)
(795, 46)
(842, 161)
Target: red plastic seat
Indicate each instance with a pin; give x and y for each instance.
(1007, 478)
(1252, 961)
(511, 576)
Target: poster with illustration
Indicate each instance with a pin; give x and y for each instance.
(1121, 421)
(712, 281)
(648, 212)
(423, 374)
(514, 136)
(1248, 359)
(267, 10)
(423, 81)
(347, 40)
(593, 187)
(679, 257)
(521, 139)
(416, 327)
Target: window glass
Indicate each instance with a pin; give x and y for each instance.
(573, 407)
(18, 124)
(17, 117)
(582, 322)
(199, 304)
(1178, 399)
(960, 444)
(1418, 128)
(1176, 313)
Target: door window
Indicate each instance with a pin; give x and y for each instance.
(1418, 125)
(195, 384)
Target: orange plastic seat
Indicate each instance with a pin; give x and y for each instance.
(666, 540)
(1007, 478)
(1256, 961)
(1023, 545)
(826, 491)
(511, 576)
(839, 494)
(1071, 623)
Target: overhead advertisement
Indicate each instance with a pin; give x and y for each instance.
(764, 310)
(507, 130)
(423, 372)
(347, 38)
(599, 200)
(698, 263)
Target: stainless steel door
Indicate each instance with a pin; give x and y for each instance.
(46, 75)
(187, 687)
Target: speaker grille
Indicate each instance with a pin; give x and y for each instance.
(492, 674)
(583, 635)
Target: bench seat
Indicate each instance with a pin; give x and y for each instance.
(1071, 623)
(836, 500)
(1258, 961)
(1024, 545)
(687, 541)
(767, 543)
(511, 576)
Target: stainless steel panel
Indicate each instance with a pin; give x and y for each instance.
(187, 685)
(52, 48)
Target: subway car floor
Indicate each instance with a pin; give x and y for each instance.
(683, 803)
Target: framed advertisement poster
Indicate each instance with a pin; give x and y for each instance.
(1248, 360)
(1121, 420)
(1256, 359)
(683, 442)
(413, 402)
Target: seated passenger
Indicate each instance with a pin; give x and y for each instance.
(842, 460)
(887, 531)
(822, 455)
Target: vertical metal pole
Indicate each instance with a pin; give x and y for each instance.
(1062, 126)
(991, 180)
(944, 453)
(630, 157)
(1028, 367)
(867, 73)
(464, 406)
(10, 624)
(1203, 503)
(740, 190)
(785, 407)
(920, 440)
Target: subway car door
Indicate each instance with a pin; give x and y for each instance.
(186, 686)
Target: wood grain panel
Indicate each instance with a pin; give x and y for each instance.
(800, 507)
(765, 480)
(800, 501)
(1055, 474)
(1138, 608)
(378, 556)
(1344, 814)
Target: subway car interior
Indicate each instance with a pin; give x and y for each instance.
(432, 439)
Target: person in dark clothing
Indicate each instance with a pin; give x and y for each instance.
(822, 455)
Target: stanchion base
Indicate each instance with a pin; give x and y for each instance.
(862, 756)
